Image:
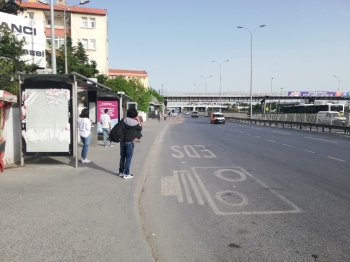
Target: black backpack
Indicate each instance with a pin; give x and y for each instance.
(117, 133)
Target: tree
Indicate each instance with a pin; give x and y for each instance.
(11, 7)
(132, 88)
(77, 60)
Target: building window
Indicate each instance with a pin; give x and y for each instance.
(84, 22)
(59, 41)
(92, 23)
(31, 15)
(92, 45)
(85, 43)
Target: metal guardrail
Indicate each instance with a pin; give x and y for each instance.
(291, 124)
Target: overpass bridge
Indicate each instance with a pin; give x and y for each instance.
(256, 97)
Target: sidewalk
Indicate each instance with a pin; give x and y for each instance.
(51, 211)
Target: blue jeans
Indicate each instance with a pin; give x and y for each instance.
(86, 142)
(106, 132)
(126, 152)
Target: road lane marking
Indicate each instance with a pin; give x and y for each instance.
(281, 132)
(258, 136)
(289, 145)
(322, 139)
(309, 151)
(271, 141)
(195, 189)
(187, 190)
(170, 186)
(341, 160)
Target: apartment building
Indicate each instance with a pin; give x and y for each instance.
(86, 25)
(130, 74)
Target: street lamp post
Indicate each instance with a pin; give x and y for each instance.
(280, 101)
(271, 96)
(205, 77)
(82, 2)
(251, 65)
(220, 78)
(53, 44)
(338, 82)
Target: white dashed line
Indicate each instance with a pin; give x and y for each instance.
(281, 132)
(309, 151)
(341, 160)
(289, 145)
(257, 136)
(322, 139)
(271, 141)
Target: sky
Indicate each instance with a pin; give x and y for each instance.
(304, 45)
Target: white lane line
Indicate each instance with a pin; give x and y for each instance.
(341, 160)
(257, 136)
(241, 132)
(187, 190)
(281, 132)
(309, 151)
(195, 189)
(322, 139)
(289, 145)
(256, 128)
(248, 134)
(271, 141)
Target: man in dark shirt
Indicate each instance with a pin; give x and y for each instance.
(133, 128)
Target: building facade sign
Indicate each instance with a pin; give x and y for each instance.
(33, 33)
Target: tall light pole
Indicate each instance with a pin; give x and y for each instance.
(205, 77)
(220, 78)
(338, 82)
(251, 65)
(271, 96)
(53, 44)
(82, 2)
(280, 100)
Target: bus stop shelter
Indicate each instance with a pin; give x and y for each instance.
(49, 113)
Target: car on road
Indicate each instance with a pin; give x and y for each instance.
(217, 118)
(194, 114)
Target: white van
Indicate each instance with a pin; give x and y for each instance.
(330, 118)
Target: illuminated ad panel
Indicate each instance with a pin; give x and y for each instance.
(113, 112)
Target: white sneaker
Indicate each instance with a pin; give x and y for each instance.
(128, 176)
(112, 144)
(121, 174)
(105, 145)
(85, 161)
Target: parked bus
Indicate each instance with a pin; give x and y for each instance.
(312, 108)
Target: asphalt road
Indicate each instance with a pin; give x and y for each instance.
(241, 192)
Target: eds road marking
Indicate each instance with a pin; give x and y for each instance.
(238, 170)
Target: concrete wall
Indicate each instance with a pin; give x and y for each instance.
(12, 134)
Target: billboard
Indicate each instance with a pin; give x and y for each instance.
(113, 112)
(33, 33)
(46, 114)
(318, 93)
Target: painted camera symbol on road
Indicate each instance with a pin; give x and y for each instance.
(227, 190)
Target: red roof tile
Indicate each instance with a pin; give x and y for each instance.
(122, 72)
(74, 9)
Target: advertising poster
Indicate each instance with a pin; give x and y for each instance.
(113, 112)
(318, 94)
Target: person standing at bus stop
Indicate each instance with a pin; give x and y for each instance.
(84, 128)
(105, 121)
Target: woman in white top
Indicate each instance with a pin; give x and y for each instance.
(84, 125)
